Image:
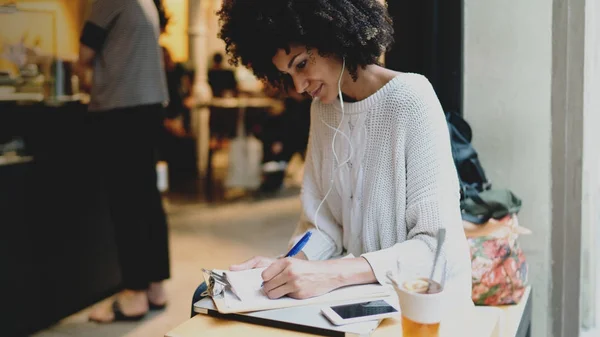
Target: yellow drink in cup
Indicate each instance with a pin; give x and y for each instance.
(422, 306)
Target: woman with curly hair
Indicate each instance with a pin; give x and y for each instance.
(380, 180)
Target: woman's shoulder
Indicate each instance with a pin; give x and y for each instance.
(410, 93)
(410, 85)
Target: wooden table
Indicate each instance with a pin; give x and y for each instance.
(502, 321)
(481, 322)
(516, 319)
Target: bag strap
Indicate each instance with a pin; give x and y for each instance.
(495, 208)
(475, 161)
(471, 192)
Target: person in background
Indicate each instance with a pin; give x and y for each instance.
(177, 111)
(179, 86)
(284, 135)
(223, 121)
(222, 81)
(177, 145)
(379, 177)
(128, 93)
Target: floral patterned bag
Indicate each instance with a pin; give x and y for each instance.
(498, 264)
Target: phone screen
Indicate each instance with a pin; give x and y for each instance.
(363, 309)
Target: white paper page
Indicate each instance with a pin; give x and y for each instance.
(247, 285)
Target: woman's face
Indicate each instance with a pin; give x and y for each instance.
(317, 76)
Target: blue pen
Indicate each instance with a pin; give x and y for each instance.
(297, 247)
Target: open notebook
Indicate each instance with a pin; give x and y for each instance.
(248, 294)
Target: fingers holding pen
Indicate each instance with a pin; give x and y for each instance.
(279, 278)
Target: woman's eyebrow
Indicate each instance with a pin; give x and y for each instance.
(293, 59)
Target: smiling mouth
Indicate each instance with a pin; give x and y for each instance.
(316, 92)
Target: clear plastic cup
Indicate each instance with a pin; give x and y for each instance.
(422, 308)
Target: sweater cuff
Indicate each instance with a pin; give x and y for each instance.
(319, 247)
(400, 261)
(382, 262)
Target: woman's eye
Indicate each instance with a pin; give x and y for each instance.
(301, 65)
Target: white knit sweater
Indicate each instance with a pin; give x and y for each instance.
(400, 187)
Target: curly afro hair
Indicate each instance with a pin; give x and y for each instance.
(253, 31)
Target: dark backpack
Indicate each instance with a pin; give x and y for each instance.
(470, 172)
(478, 200)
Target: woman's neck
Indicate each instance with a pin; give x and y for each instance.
(369, 80)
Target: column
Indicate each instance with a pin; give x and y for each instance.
(197, 32)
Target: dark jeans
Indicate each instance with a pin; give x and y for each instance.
(198, 296)
(126, 143)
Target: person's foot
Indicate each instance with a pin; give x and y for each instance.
(131, 303)
(157, 296)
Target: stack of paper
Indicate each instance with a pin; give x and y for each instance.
(248, 294)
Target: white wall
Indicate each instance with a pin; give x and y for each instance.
(507, 85)
(591, 170)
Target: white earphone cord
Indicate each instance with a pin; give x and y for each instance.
(336, 130)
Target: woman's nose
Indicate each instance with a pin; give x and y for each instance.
(300, 84)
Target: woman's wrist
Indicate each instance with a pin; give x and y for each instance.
(352, 271)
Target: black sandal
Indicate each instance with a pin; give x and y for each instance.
(120, 316)
(156, 307)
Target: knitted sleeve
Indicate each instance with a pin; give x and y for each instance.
(432, 193)
(327, 240)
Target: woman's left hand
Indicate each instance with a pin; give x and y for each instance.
(299, 278)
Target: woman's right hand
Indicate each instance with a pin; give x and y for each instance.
(255, 262)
